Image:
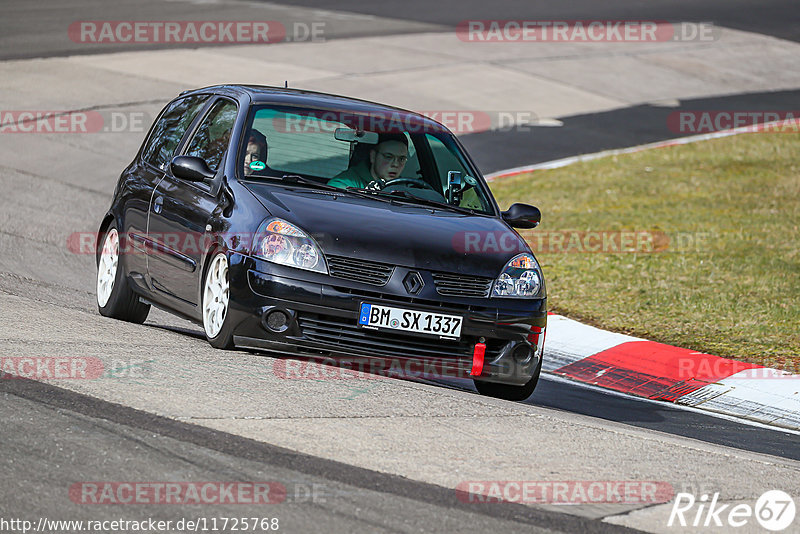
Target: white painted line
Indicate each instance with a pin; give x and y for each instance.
(717, 415)
(555, 164)
(765, 394)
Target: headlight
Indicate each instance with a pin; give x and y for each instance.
(520, 278)
(281, 242)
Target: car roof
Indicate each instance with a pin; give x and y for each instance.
(263, 94)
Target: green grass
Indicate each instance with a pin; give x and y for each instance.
(728, 280)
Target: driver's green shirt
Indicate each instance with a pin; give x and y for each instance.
(358, 176)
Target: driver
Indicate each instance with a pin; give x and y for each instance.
(386, 161)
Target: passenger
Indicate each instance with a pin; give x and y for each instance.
(386, 161)
(256, 151)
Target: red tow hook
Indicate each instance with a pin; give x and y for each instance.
(477, 359)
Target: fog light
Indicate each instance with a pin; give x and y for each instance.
(276, 321)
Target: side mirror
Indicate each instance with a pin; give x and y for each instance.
(522, 216)
(191, 169)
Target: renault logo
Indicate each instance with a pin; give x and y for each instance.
(413, 282)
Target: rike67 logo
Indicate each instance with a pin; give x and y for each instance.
(774, 510)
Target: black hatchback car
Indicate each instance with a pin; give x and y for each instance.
(302, 222)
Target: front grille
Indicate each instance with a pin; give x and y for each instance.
(346, 336)
(367, 272)
(402, 300)
(459, 285)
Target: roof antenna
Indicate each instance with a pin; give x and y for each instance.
(286, 84)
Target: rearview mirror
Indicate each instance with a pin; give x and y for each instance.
(522, 216)
(191, 169)
(350, 135)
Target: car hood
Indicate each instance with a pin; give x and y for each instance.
(398, 234)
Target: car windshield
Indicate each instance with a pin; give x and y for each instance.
(395, 154)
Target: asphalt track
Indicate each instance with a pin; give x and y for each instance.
(619, 128)
(779, 18)
(559, 394)
(35, 29)
(53, 436)
(115, 442)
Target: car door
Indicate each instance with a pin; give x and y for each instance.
(181, 210)
(148, 170)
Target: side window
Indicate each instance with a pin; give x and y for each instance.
(170, 129)
(212, 137)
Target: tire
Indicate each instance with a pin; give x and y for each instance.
(115, 298)
(507, 392)
(215, 304)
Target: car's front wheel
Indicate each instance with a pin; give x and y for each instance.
(508, 392)
(216, 299)
(115, 298)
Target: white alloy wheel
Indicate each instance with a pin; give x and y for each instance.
(215, 296)
(107, 268)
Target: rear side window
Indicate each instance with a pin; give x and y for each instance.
(212, 137)
(170, 128)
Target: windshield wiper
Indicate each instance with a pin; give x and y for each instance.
(293, 178)
(427, 202)
(297, 179)
(366, 193)
(363, 193)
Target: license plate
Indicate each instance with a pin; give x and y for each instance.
(418, 322)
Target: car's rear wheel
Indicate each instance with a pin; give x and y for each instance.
(216, 298)
(508, 392)
(115, 298)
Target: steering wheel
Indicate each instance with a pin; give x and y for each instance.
(416, 187)
(410, 182)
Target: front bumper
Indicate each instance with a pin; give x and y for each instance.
(321, 314)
